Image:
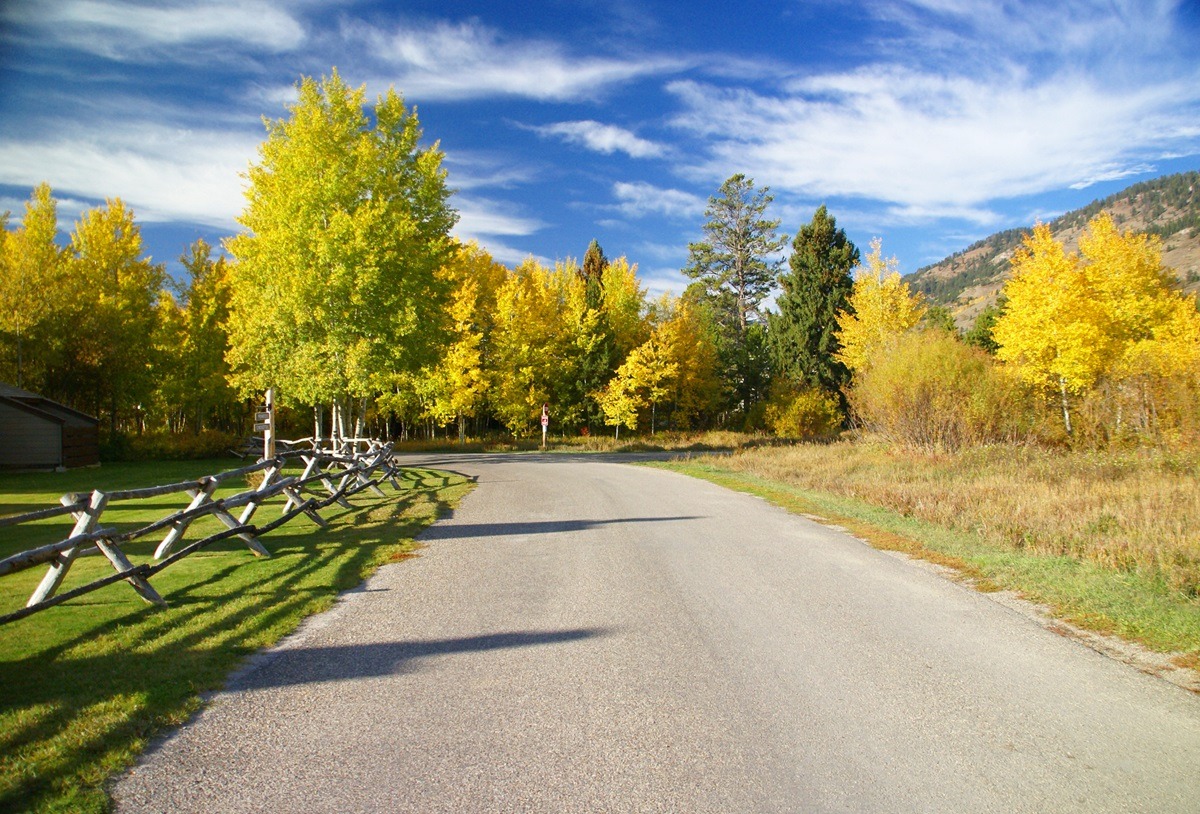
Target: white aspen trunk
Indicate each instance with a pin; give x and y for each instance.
(318, 425)
(1066, 408)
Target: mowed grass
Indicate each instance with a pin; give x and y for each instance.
(1109, 541)
(85, 685)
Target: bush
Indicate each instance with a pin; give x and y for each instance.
(807, 414)
(930, 391)
(168, 446)
(1144, 410)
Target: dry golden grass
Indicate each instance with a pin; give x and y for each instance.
(1129, 511)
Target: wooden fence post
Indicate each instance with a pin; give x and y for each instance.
(85, 522)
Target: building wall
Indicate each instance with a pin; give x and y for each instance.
(28, 440)
(80, 446)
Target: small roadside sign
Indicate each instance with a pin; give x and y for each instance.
(262, 427)
(265, 415)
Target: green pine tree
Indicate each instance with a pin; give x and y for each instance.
(815, 288)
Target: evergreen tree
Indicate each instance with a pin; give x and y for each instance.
(980, 333)
(594, 263)
(736, 267)
(803, 335)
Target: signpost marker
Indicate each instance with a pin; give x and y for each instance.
(264, 422)
(545, 422)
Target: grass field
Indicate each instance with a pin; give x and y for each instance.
(1110, 542)
(85, 685)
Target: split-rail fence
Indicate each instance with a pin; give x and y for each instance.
(341, 472)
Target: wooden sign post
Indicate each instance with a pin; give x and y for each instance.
(545, 422)
(264, 422)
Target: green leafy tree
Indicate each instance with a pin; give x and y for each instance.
(347, 223)
(735, 266)
(980, 334)
(803, 335)
(938, 317)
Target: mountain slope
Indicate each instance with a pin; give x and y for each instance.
(1168, 207)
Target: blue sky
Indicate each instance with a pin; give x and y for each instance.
(927, 123)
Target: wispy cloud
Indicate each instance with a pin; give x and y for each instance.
(164, 174)
(122, 30)
(467, 60)
(476, 170)
(603, 138)
(640, 198)
(920, 140)
(479, 217)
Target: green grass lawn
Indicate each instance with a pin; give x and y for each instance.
(85, 685)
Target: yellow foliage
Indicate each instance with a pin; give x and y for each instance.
(881, 308)
(1097, 320)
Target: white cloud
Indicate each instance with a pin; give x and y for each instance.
(163, 174)
(659, 281)
(475, 170)
(469, 61)
(479, 217)
(120, 29)
(640, 198)
(603, 138)
(925, 141)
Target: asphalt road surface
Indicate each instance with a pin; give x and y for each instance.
(584, 636)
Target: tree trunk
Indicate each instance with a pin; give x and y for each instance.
(1066, 408)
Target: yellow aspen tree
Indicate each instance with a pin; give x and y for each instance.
(35, 293)
(119, 288)
(879, 309)
(696, 387)
(1104, 316)
(461, 376)
(347, 222)
(528, 343)
(624, 305)
(1053, 330)
(619, 403)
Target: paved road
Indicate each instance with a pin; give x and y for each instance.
(596, 637)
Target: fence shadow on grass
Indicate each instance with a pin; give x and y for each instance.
(122, 671)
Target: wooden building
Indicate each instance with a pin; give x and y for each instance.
(37, 433)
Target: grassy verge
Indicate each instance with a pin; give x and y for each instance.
(88, 683)
(938, 509)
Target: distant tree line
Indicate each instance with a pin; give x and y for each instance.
(346, 294)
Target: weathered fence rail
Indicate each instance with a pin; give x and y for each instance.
(341, 473)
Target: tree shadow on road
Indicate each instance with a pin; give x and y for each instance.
(307, 665)
(452, 531)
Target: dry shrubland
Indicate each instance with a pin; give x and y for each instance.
(1136, 510)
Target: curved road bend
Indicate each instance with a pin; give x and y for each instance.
(584, 636)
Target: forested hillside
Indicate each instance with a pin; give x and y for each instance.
(1168, 207)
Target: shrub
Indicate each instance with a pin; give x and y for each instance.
(168, 446)
(808, 414)
(930, 391)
